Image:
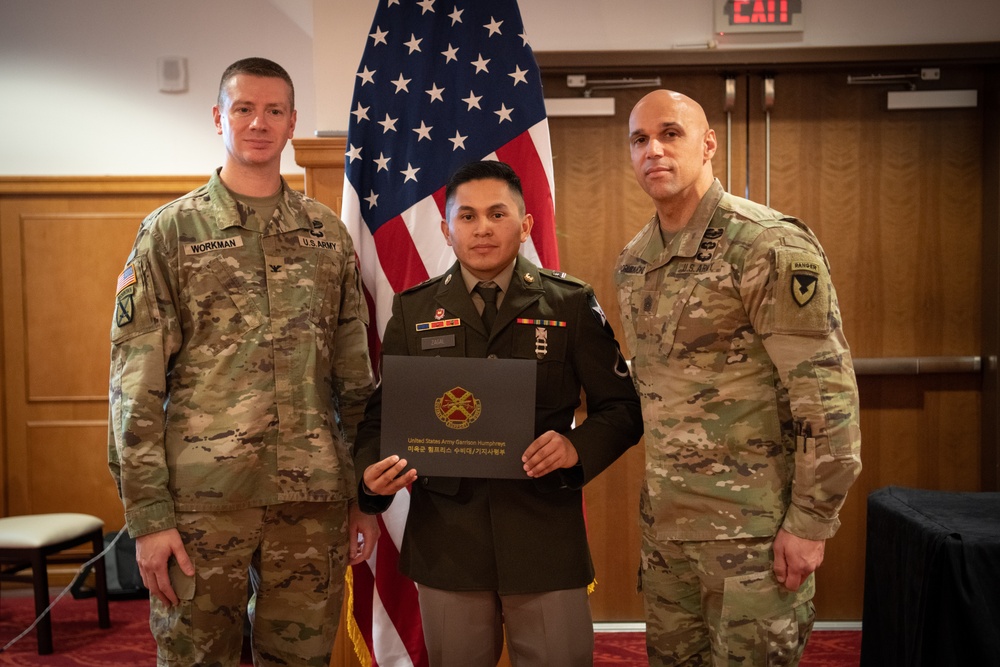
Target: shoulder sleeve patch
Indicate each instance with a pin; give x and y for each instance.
(801, 295)
(135, 310)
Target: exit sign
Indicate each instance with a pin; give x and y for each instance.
(758, 16)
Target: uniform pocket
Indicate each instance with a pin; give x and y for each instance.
(221, 311)
(135, 303)
(801, 298)
(763, 623)
(324, 310)
(546, 345)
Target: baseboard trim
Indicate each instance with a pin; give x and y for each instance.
(639, 626)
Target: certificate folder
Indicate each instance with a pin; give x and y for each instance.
(458, 417)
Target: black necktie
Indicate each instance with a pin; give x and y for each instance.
(489, 294)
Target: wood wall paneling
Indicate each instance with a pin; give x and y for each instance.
(71, 262)
(63, 242)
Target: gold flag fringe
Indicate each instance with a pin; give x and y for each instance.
(353, 631)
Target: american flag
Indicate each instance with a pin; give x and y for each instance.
(126, 278)
(441, 83)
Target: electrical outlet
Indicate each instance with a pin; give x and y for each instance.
(576, 80)
(930, 73)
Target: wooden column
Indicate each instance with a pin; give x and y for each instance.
(323, 160)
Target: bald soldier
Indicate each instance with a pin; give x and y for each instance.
(749, 401)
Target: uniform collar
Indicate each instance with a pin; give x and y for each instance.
(290, 214)
(502, 279)
(648, 245)
(524, 287)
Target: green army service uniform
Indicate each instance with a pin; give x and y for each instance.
(508, 535)
(518, 538)
(751, 412)
(239, 373)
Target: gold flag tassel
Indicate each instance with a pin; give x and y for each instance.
(353, 631)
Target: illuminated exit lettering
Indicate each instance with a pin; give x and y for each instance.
(762, 12)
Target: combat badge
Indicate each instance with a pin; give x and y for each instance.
(804, 281)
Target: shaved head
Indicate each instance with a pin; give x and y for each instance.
(671, 146)
(662, 101)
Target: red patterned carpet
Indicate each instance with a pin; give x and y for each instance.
(79, 642)
(826, 648)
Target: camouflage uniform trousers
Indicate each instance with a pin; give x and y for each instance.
(299, 551)
(717, 604)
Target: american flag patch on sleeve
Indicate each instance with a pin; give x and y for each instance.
(126, 278)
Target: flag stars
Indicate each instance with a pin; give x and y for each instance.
(361, 113)
(518, 75)
(524, 38)
(423, 132)
(473, 101)
(389, 124)
(435, 93)
(456, 16)
(410, 173)
(494, 27)
(382, 161)
(479, 64)
(401, 83)
(504, 113)
(353, 153)
(450, 54)
(458, 141)
(372, 199)
(413, 44)
(379, 36)
(367, 76)
(426, 6)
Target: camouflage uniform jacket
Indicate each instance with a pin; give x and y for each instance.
(239, 359)
(747, 386)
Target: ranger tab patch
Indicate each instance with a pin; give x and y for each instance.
(804, 277)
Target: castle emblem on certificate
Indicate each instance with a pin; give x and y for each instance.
(458, 417)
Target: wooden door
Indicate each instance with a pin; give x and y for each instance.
(895, 198)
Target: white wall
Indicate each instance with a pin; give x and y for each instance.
(78, 77)
(79, 80)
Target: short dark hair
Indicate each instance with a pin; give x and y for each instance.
(257, 67)
(483, 170)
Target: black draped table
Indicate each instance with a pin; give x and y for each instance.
(932, 579)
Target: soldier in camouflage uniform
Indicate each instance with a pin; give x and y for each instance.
(749, 401)
(239, 373)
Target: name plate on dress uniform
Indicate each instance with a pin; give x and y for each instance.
(458, 417)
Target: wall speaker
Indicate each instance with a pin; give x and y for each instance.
(172, 74)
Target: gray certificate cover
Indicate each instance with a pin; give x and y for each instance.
(458, 417)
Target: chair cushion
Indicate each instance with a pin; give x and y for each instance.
(32, 531)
